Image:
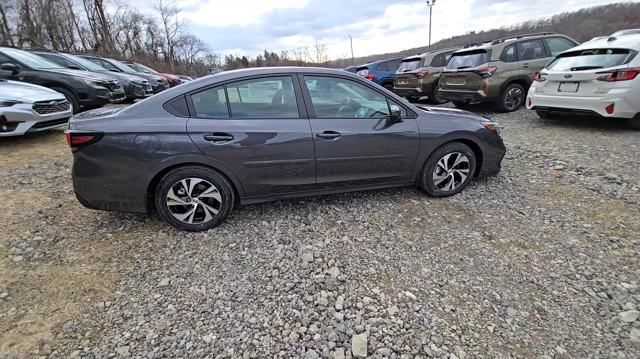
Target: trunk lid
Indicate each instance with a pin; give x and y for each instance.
(463, 71)
(575, 83)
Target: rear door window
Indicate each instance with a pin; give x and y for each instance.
(438, 61)
(268, 97)
(467, 59)
(210, 103)
(591, 59)
(531, 50)
(558, 44)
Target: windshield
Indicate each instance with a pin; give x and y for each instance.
(409, 65)
(463, 60)
(90, 66)
(142, 68)
(589, 59)
(30, 60)
(121, 66)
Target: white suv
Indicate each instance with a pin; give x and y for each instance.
(600, 77)
(27, 108)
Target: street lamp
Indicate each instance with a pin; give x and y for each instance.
(351, 41)
(430, 4)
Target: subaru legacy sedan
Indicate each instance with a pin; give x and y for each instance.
(195, 151)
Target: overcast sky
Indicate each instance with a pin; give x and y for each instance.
(247, 27)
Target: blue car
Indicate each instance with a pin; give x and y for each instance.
(381, 72)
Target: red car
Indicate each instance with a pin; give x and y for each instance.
(173, 79)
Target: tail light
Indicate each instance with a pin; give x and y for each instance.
(610, 108)
(422, 74)
(538, 77)
(370, 77)
(619, 74)
(486, 71)
(530, 102)
(75, 140)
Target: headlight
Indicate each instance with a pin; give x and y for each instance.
(7, 103)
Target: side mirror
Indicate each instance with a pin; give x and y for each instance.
(8, 66)
(396, 113)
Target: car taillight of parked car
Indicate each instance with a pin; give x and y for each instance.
(422, 74)
(486, 71)
(538, 77)
(619, 74)
(370, 77)
(75, 140)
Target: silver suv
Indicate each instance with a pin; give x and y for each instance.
(27, 108)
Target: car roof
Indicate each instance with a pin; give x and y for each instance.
(627, 41)
(507, 41)
(425, 54)
(378, 61)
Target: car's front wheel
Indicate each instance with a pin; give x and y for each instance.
(448, 170)
(194, 198)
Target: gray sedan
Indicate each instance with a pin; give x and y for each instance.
(195, 151)
(27, 108)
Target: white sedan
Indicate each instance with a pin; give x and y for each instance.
(27, 108)
(598, 78)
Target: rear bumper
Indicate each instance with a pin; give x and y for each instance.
(466, 96)
(625, 105)
(404, 92)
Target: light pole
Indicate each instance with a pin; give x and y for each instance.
(351, 41)
(430, 4)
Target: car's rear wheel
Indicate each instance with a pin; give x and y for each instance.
(460, 104)
(71, 97)
(388, 86)
(512, 98)
(634, 122)
(436, 98)
(194, 198)
(448, 170)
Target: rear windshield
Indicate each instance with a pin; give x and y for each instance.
(463, 60)
(409, 65)
(590, 59)
(363, 71)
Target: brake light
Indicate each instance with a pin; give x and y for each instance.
(75, 140)
(422, 74)
(610, 108)
(486, 71)
(538, 77)
(619, 74)
(370, 77)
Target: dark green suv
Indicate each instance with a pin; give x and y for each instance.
(418, 75)
(499, 71)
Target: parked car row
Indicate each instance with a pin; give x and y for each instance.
(84, 81)
(551, 71)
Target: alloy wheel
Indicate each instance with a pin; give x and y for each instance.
(193, 200)
(451, 171)
(513, 98)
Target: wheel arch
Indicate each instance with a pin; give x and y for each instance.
(466, 139)
(153, 183)
(520, 80)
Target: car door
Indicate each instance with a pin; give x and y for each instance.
(355, 141)
(532, 56)
(257, 129)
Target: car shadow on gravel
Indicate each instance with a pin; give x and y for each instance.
(587, 123)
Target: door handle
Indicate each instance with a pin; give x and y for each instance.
(328, 135)
(218, 137)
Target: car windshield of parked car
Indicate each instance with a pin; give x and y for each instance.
(31, 60)
(467, 59)
(84, 63)
(142, 68)
(122, 66)
(342, 98)
(409, 65)
(589, 59)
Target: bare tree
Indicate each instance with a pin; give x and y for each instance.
(172, 27)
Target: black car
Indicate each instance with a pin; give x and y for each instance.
(158, 83)
(84, 90)
(193, 152)
(135, 87)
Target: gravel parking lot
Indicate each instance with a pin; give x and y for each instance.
(540, 261)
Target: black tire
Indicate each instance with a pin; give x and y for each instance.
(388, 86)
(460, 104)
(634, 123)
(71, 97)
(427, 182)
(435, 98)
(544, 115)
(195, 205)
(511, 98)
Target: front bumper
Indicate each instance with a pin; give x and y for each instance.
(21, 119)
(624, 105)
(159, 87)
(493, 155)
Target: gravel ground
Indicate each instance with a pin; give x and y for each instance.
(540, 261)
